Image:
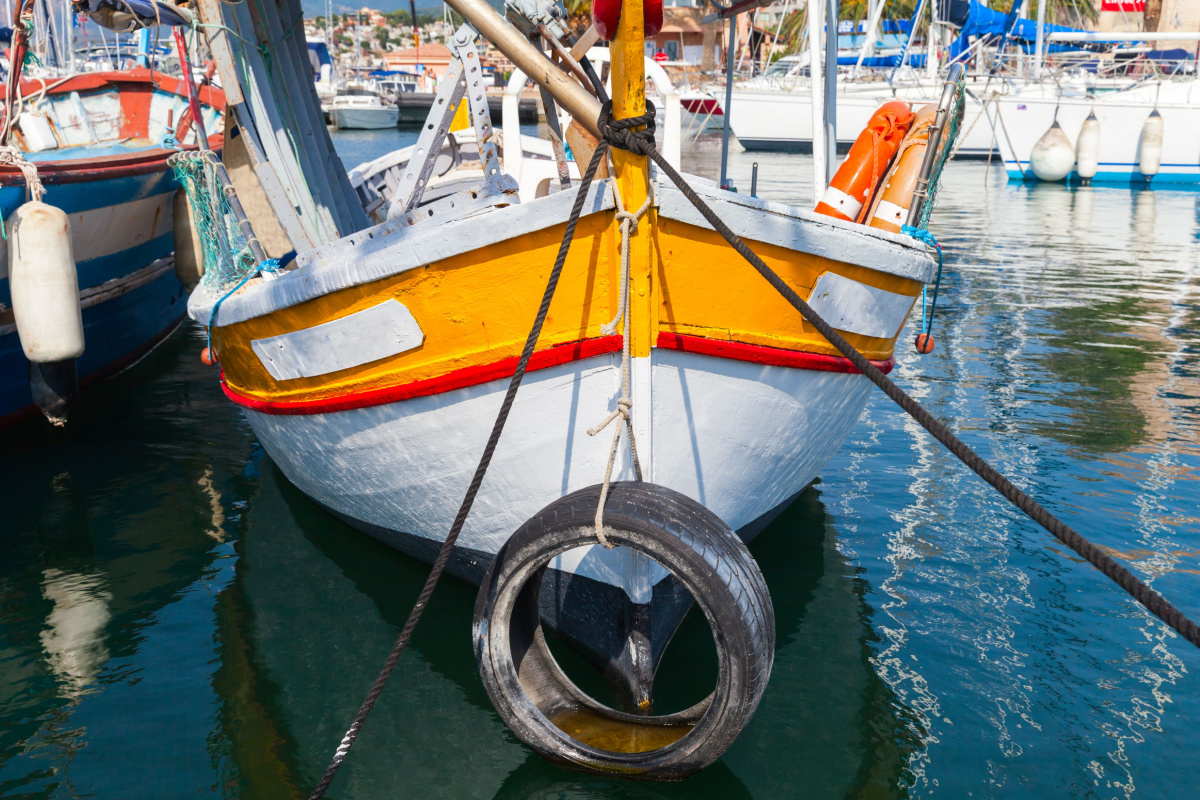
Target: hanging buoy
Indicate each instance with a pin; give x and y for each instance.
(1052, 156)
(867, 163)
(1150, 146)
(45, 298)
(1087, 149)
(889, 210)
(208, 357)
(924, 344)
(189, 253)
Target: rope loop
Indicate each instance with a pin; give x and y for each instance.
(619, 133)
(929, 239)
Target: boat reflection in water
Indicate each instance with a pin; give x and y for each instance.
(313, 610)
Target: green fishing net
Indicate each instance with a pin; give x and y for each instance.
(945, 148)
(227, 257)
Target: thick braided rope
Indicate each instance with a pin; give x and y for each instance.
(640, 142)
(464, 510)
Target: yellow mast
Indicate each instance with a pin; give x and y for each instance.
(627, 53)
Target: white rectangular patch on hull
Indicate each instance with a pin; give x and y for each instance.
(360, 338)
(854, 307)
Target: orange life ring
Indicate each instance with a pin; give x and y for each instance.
(889, 211)
(849, 193)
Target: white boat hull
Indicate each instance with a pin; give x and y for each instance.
(741, 438)
(1022, 121)
(371, 118)
(776, 120)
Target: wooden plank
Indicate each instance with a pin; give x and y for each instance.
(218, 43)
(282, 203)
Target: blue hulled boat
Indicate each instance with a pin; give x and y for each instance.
(100, 142)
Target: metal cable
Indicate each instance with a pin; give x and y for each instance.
(464, 510)
(620, 133)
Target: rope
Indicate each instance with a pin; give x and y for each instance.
(617, 134)
(628, 222)
(12, 157)
(927, 238)
(464, 510)
(270, 265)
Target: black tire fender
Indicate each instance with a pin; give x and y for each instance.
(530, 691)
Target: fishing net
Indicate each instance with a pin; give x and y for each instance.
(945, 148)
(227, 256)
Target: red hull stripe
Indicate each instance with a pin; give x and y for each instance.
(551, 357)
(459, 379)
(757, 354)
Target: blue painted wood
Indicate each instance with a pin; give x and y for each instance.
(116, 333)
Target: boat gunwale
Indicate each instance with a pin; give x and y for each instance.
(139, 162)
(394, 247)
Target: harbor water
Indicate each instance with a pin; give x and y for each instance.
(177, 620)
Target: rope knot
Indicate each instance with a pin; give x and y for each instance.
(921, 235)
(619, 133)
(628, 217)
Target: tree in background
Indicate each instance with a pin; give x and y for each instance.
(1151, 15)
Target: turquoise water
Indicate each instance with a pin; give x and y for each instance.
(177, 620)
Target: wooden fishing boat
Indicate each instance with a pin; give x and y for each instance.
(100, 142)
(372, 367)
(375, 365)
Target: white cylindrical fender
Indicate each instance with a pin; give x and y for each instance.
(1151, 144)
(1052, 156)
(1087, 148)
(44, 284)
(189, 253)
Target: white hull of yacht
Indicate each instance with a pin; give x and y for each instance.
(1122, 115)
(778, 120)
(364, 118)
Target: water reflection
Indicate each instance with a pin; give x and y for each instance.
(74, 635)
(176, 619)
(290, 682)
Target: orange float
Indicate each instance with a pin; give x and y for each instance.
(889, 211)
(849, 193)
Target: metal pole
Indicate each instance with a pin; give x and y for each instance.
(1040, 43)
(831, 62)
(578, 102)
(730, 46)
(817, 91)
(931, 48)
(185, 64)
(143, 51)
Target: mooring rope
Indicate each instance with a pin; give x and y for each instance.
(464, 510)
(620, 133)
(628, 222)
